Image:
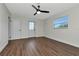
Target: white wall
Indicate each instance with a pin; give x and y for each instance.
(3, 26)
(16, 34)
(70, 35)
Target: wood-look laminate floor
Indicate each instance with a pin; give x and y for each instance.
(38, 47)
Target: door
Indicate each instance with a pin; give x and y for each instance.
(31, 28)
(16, 29)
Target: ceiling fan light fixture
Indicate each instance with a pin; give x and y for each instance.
(38, 12)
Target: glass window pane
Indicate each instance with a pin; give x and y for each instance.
(31, 25)
(61, 22)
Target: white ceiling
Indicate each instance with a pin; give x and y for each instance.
(26, 9)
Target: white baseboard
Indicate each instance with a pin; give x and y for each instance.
(75, 45)
(3, 45)
(24, 38)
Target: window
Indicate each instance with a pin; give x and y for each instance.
(31, 25)
(61, 22)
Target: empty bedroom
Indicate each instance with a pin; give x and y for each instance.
(39, 29)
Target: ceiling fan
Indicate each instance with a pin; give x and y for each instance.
(38, 10)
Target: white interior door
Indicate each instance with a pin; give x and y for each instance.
(15, 29)
(31, 28)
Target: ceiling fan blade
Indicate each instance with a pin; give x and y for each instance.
(35, 13)
(34, 7)
(44, 11)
